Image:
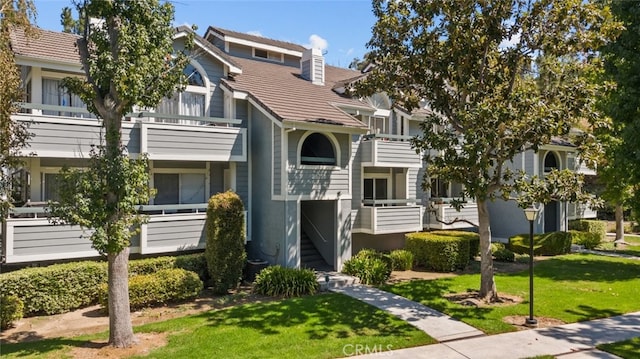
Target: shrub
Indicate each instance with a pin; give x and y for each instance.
(288, 282)
(473, 237)
(587, 239)
(501, 253)
(401, 259)
(597, 227)
(547, 244)
(57, 288)
(443, 253)
(163, 286)
(11, 309)
(225, 251)
(371, 267)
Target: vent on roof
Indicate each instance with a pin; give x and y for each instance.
(312, 66)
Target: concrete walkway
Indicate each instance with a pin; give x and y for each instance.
(437, 325)
(572, 341)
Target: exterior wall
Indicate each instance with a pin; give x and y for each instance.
(507, 219)
(380, 242)
(174, 232)
(292, 61)
(240, 51)
(191, 143)
(390, 153)
(277, 159)
(318, 182)
(270, 237)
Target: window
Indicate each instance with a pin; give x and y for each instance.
(179, 188)
(51, 187)
(54, 94)
(317, 149)
(267, 55)
(550, 162)
(191, 102)
(375, 189)
(444, 189)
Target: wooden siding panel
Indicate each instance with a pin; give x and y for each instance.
(47, 239)
(397, 219)
(277, 160)
(185, 234)
(168, 141)
(399, 152)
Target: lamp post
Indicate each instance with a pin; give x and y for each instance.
(531, 213)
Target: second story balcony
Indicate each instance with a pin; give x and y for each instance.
(382, 150)
(69, 132)
(389, 216)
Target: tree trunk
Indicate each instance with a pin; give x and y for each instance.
(120, 328)
(488, 289)
(619, 222)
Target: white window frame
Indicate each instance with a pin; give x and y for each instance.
(269, 53)
(373, 176)
(336, 151)
(206, 90)
(180, 171)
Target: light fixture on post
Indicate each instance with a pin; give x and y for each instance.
(531, 213)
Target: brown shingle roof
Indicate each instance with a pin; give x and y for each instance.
(260, 39)
(290, 97)
(209, 46)
(46, 45)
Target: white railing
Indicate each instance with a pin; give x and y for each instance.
(390, 202)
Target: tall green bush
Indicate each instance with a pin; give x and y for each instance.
(596, 227)
(288, 282)
(370, 266)
(401, 259)
(547, 244)
(473, 237)
(589, 240)
(225, 250)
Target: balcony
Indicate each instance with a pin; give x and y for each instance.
(382, 150)
(389, 216)
(71, 132)
(580, 211)
(441, 211)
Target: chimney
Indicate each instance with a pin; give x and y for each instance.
(312, 66)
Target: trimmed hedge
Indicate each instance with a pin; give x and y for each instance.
(163, 286)
(473, 237)
(287, 282)
(59, 288)
(596, 227)
(587, 239)
(11, 309)
(547, 244)
(441, 251)
(371, 267)
(501, 253)
(401, 260)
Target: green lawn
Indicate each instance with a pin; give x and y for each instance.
(627, 349)
(320, 326)
(633, 248)
(570, 288)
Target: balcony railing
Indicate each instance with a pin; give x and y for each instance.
(390, 216)
(383, 150)
(190, 138)
(442, 215)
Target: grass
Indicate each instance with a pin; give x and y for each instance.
(320, 326)
(633, 248)
(571, 288)
(625, 349)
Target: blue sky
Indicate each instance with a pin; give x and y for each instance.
(341, 28)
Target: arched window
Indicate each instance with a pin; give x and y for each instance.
(192, 101)
(550, 162)
(317, 149)
(194, 77)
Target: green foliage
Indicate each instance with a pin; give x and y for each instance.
(587, 239)
(599, 228)
(547, 244)
(401, 260)
(163, 286)
(501, 253)
(11, 309)
(287, 282)
(440, 250)
(225, 251)
(370, 266)
(57, 288)
(474, 240)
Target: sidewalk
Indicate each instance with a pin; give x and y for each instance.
(576, 340)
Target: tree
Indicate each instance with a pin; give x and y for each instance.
(14, 15)
(129, 60)
(619, 166)
(69, 24)
(500, 77)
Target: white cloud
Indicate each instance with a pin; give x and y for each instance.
(317, 42)
(255, 33)
(511, 42)
(350, 52)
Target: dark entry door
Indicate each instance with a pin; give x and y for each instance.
(551, 217)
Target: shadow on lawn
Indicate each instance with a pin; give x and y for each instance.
(587, 312)
(42, 347)
(585, 267)
(324, 315)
